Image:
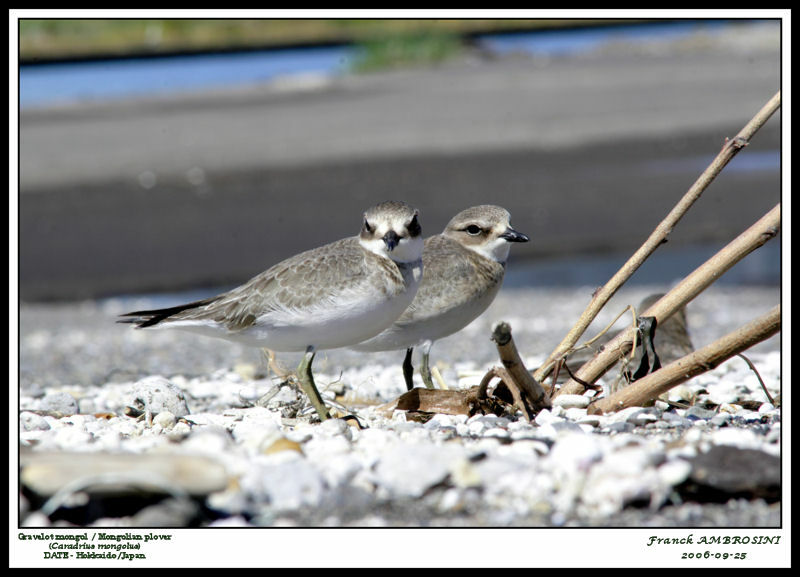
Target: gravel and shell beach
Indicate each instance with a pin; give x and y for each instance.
(199, 433)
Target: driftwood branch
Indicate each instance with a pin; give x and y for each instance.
(518, 398)
(651, 386)
(755, 236)
(520, 376)
(517, 388)
(659, 235)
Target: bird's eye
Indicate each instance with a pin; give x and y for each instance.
(473, 229)
(367, 227)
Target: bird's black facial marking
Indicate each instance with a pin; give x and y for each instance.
(414, 228)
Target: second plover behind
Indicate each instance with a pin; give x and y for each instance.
(333, 296)
(464, 268)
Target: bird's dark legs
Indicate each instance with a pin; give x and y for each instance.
(307, 384)
(408, 369)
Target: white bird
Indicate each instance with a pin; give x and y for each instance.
(333, 296)
(463, 271)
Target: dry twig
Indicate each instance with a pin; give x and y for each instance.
(520, 377)
(758, 376)
(659, 235)
(651, 386)
(755, 236)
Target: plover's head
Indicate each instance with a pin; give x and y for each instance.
(486, 230)
(392, 229)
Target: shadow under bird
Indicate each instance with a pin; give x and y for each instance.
(463, 271)
(330, 297)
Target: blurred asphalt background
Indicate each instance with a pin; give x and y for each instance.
(588, 152)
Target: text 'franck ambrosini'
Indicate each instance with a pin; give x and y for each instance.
(714, 540)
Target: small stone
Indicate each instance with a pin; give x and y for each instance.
(674, 419)
(674, 472)
(661, 405)
(619, 427)
(32, 422)
(546, 417)
(575, 453)
(86, 406)
(751, 416)
(441, 421)
(60, 402)
(208, 440)
(180, 431)
(591, 420)
(70, 437)
(250, 394)
(684, 393)
(737, 470)
(288, 483)
(496, 432)
(575, 414)
(571, 401)
(567, 426)
(695, 413)
(634, 415)
(476, 427)
(730, 408)
(165, 420)
(721, 419)
(156, 394)
(409, 470)
(336, 427)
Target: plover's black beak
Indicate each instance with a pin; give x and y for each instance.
(391, 239)
(512, 235)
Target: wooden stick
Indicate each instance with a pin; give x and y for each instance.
(509, 356)
(755, 236)
(651, 386)
(659, 235)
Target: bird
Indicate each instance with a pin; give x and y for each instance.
(329, 297)
(463, 269)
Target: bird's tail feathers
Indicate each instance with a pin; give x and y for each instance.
(143, 319)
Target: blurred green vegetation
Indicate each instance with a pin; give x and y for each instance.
(397, 50)
(388, 42)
